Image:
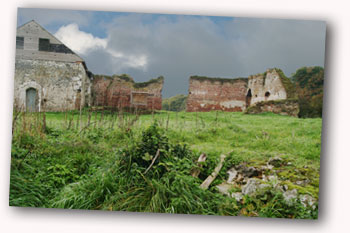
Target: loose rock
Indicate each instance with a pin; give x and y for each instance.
(250, 172)
(302, 182)
(232, 174)
(251, 187)
(307, 200)
(254, 186)
(275, 161)
(224, 188)
(237, 196)
(290, 196)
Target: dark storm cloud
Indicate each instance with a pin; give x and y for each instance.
(148, 45)
(179, 47)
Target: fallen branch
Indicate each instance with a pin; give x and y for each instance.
(153, 160)
(201, 160)
(213, 175)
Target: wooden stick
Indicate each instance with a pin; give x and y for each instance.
(153, 160)
(201, 160)
(213, 175)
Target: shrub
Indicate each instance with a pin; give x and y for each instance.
(309, 86)
(176, 103)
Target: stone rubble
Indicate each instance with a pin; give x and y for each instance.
(252, 181)
(290, 196)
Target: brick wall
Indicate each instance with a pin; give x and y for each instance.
(122, 92)
(207, 94)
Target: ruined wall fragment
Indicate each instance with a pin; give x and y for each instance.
(282, 107)
(208, 94)
(122, 92)
(272, 92)
(265, 87)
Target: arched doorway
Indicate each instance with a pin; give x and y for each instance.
(267, 94)
(31, 100)
(248, 98)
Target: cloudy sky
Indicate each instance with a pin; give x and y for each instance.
(177, 46)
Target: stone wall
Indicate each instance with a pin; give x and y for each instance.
(265, 87)
(122, 92)
(59, 86)
(207, 94)
(283, 107)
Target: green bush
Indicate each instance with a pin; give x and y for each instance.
(309, 87)
(176, 103)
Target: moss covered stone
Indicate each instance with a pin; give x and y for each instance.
(127, 78)
(145, 84)
(283, 107)
(217, 79)
(287, 84)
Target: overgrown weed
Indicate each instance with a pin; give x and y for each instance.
(114, 166)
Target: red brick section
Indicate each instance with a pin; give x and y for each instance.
(120, 93)
(208, 94)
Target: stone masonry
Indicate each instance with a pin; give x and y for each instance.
(121, 92)
(51, 77)
(285, 107)
(59, 84)
(208, 94)
(48, 75)
(265, 87)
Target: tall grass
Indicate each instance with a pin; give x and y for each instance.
(101, 164)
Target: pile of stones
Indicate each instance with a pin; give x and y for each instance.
(253, 181)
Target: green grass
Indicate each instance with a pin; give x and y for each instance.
(101, 166)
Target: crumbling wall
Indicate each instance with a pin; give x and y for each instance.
(283, 107)
(207, 94)
(266, 87)
(122, 92)
(59, 86)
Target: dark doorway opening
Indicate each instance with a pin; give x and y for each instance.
(267, 94)
(248, 98)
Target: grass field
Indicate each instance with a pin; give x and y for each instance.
(100, 161)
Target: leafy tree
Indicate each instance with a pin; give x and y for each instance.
(309, 87)
(176, 103)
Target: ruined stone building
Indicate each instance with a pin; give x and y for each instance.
(121, 92)
(261, 92)
(51, 77)
(265, 87)
(48, 75)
